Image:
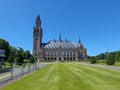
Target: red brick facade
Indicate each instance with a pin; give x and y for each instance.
(55, 49)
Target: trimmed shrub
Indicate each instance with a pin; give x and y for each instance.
(92, 60)
(110, 60)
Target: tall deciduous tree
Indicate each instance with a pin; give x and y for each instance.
(12, 55)
(27, 54)
(32, 60)
(19, 59)
(5, 46)
(19, 56)
(117, 57)
(110, 59)
(10, 59)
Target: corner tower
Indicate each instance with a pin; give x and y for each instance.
(37, 38)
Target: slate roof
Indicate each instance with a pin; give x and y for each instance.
(60, 43)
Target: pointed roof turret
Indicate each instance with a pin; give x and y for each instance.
(54, 39)
(79, 44)
(38, 16)
(38, 21)
(79, 41)
(65, 39)
(60, 37)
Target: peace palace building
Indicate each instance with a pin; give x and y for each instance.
(57, 50)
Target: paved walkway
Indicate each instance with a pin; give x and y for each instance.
(102, 66)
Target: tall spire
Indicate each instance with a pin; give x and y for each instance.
(79, 41)
(38, 21)
(60, 37)
(53, 39)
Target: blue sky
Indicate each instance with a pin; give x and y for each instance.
(96, 22)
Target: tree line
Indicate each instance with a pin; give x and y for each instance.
(109, 57)
(15, 55)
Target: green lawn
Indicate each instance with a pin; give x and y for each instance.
(69, 76)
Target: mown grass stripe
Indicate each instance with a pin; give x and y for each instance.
(102, 78)
(82, 81)
(32, 81)
(69, 76)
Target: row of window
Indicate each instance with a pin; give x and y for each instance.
(59, 53)
(54, 58)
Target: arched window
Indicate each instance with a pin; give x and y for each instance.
(45, 58)
(67, 58)
(70, 58)
(55, 58)
(74, 58)
(51, 58)
(64, 58)
(48, 58)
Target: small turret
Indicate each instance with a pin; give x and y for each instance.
(60, 37)
(79, 41)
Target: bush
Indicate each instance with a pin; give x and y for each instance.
(110, 59)
(92, 60)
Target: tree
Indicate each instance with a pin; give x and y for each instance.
(27, 54)
(92, 60)
(88, 57)
(117, 56)
(32, 60)
(19, 59)
(5, 46)
(10, 59)
(20, 51)
(100, 56)
(12, 54)
(110, 60)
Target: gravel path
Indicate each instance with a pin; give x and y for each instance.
(102, 66)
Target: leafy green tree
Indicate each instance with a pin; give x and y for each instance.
(92, 60)
(20, 51)
(12, 54)
(13, 51)
(19, 59)
(88, 57)
(117, 56)
(27, 54)
(110, 59)
(10, 59)
(100, 56)
(5, 46)
(32, 60)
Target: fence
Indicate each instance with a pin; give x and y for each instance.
(14, 72)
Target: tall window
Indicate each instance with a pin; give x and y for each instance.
(81, 55)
